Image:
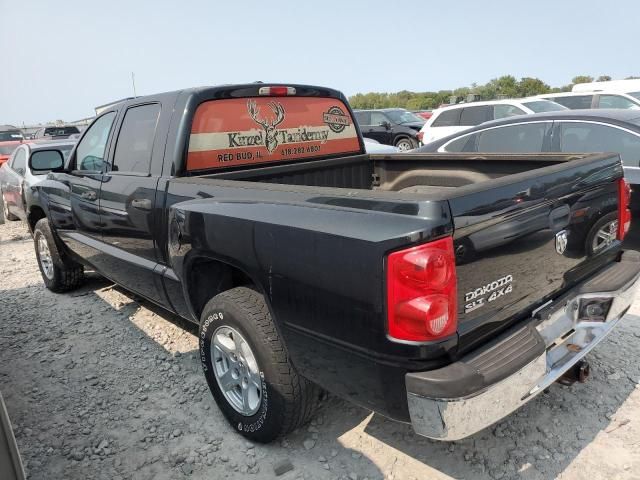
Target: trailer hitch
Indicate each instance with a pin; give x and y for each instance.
(577, 373)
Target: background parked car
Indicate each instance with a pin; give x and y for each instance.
(390, 126)
(7, 148)
(17, 175)
(424, 114)
(56, 132)
(583, 100)
(373, 146)
(10, 133)
(611, 130)
(456, 118)
(630, 86)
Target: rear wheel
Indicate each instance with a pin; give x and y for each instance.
(58, 273)
(248, 369)
(403, 144)
(603, 233)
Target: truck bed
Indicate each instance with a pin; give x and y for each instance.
(507, 210)
(397, 172)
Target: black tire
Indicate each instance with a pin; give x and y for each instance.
(7, 214)
(287, 400)
(65, 274)
(606, 220)
(409, 142)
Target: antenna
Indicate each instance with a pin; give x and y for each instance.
(133, 82)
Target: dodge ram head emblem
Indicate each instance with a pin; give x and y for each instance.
(561, 241)
(269, 125)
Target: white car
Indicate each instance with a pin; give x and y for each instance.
(373, 146)
(595, 99)
(456, 118)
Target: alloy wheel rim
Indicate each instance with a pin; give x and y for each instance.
(605, 236)
(45, 257)
(236, 370)
(403, 146)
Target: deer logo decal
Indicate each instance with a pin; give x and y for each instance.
(269, 125)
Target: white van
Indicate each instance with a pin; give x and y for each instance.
(631, 87)
(595, 99)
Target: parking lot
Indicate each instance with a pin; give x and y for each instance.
(100, 384)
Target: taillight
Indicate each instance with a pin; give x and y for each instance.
(624, 214)
(421, 292)
(420, 136)
(280, 91)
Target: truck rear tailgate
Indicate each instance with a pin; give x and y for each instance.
(527, 238)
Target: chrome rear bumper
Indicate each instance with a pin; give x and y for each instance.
(566, 341)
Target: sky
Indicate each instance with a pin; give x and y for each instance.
(59, 60)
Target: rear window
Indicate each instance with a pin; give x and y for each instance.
(60, 131)
(448, 118)
(243, 131)
(574, 102)
(472, 116)
(539, 106)
(9, 135)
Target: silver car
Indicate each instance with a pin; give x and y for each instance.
(17, 176)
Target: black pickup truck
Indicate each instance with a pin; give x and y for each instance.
(442, 290)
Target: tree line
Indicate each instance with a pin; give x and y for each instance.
(506, 86)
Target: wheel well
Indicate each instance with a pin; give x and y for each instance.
(207, 278)
(402, 136)
(35, 214)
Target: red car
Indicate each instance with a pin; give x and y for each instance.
(7, 148)
(426, 114)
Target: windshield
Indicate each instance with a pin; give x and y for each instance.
(539, 106)
(8, 149)
(635, 95)
(10, 135)
(403, 116)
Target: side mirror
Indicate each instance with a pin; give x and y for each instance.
(46, 160)
(386, 125)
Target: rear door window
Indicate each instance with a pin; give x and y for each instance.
(472, 116)
(135, 142)
(363, 118)
(574, 102)
(520, 138)
(378, 118)
(448, 118)
(504, 111)
(242, 131)
(466, 143)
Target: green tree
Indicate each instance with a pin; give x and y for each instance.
(582, 79)
(603, 78)
(528, 86)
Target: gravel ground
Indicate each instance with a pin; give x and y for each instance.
(100, 384)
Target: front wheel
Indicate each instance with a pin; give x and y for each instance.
(58, 273)
(404, 144)
(248, 370)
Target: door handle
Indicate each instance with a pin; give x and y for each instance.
(141, 203)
